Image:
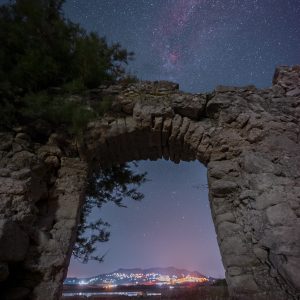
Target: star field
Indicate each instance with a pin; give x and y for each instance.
(198, 43)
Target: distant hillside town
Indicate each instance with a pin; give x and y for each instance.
(148, 277)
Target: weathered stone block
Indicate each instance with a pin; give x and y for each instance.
(293, 93)
(243, 283)
(221, 188)
(260, 253)
(21, 174)
(236, 260)
(219, 169)
(233, 245)
(228, 229)
(226, 217)
(191, 106)
(218, 103)
(254, 163)
(283, 239)
(280, 214)
(268, 198)
(234, 271)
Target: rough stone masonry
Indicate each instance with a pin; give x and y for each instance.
(249, 139)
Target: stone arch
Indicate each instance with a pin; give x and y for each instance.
(247, 138)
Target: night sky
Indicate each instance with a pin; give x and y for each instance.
(172, 226)
(199, 44)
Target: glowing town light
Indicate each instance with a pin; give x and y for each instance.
(110, 286)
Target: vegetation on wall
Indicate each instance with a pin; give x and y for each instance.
(62, 110)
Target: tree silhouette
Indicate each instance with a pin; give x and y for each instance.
(113, 184)
(41, 50)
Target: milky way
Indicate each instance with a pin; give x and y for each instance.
(199, 43)
(173, 26)
(200, 37)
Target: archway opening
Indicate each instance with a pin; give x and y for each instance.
(171, 227)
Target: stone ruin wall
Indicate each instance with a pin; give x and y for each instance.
(249, 139)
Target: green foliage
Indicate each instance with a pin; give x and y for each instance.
(40, 49)
(113, 184)
(101, 107)
(58, 111)
(75, 86)
(35, 50)
(7, 114)
(64, 111)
